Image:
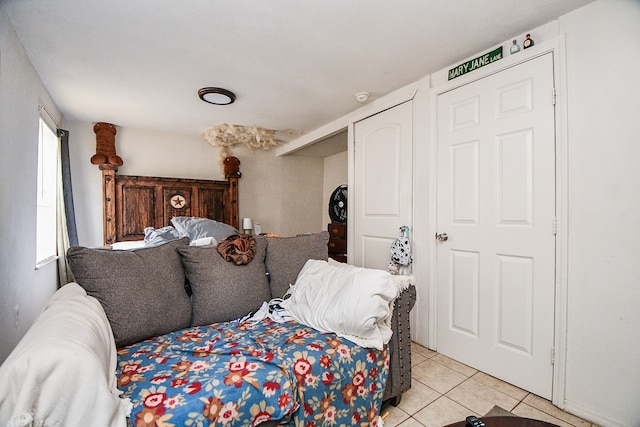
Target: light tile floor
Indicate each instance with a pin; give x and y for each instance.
(444, 391)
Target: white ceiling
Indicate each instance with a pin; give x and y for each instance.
(293, 64)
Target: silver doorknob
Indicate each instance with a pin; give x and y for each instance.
(442, 237)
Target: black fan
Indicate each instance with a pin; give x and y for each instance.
(338, 204)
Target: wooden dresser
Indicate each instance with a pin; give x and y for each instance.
(337, 241)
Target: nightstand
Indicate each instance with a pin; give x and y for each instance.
(337, 241)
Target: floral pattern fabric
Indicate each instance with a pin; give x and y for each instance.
(245, 373)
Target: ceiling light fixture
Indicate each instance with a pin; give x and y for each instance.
(216, 95)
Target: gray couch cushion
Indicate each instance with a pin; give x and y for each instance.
(142, 291)
(286, 257)
(221, 290)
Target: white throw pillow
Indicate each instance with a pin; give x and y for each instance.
(353, 302)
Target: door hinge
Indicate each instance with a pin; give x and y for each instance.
(553, 96)
(553, 355)
(555, 226)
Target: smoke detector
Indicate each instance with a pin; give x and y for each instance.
(362, 97)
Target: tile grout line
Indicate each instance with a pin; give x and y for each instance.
(521, 401)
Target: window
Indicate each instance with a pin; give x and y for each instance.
(46, 243)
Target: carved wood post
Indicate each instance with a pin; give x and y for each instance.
(108, 161)
(232, 173)
(109, 203)
(233, 200)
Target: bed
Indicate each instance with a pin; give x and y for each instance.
(133, 203)
(215, 355)
(248, 373)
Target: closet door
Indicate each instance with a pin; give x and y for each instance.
(496, 205)
(383, 158)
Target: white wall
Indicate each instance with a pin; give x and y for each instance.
(21, 285)
(283, 194)
(603, 334)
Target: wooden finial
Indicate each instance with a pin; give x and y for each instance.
(105, 145)
(232, 167)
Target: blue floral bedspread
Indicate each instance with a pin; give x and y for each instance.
(244, 373)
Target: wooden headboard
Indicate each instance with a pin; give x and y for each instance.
(132, 203)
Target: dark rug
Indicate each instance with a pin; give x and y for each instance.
(497, 411)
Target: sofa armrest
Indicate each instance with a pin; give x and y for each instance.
(63, 370)
(399, 379)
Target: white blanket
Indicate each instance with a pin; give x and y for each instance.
(62, 373)
(352, 302)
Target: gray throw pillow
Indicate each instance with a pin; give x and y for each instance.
(287, 255)
(142, 291)
(158, 236)
(197, 228)
(221, 290)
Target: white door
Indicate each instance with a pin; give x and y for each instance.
(383, 158)
(496, 203)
